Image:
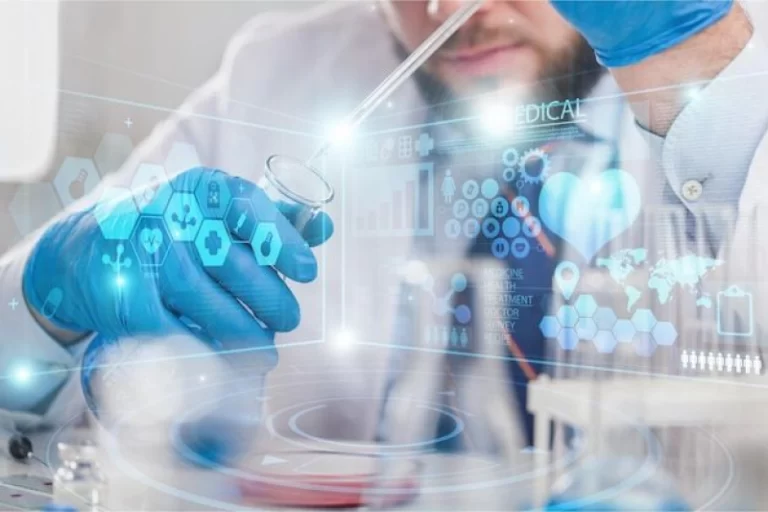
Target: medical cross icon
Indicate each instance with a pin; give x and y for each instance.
(213, 243)
(424, 145)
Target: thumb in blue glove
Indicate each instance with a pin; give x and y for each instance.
(625, 32)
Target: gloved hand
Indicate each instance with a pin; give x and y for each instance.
(624, 32)
(104, 285)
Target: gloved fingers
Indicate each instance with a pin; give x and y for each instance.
(218, 314)
(294, 258)
(258, 287)
(316, 231)
(319, 229)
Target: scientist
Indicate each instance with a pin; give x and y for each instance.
(675, 59)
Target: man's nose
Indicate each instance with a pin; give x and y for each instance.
(440, 10)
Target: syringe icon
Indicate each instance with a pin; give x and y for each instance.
(240, 222)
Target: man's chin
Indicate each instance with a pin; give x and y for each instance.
(521, 77)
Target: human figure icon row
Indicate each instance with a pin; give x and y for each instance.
(722, 363)
(442, 335)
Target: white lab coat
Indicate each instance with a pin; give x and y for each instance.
(283, 79)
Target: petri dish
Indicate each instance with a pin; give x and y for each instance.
(295, 184)
(328, 479)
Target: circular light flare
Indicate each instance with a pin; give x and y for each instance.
(415, 272)
(692, 93)
(120, 281)
(495, 119)
(341, 134)
(344, 340)
(21, 375)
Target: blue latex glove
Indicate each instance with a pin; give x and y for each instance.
(624, 32)
(238, 305)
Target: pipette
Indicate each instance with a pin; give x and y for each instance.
(298, 183)
(404, 71)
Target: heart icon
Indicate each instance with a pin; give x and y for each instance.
(151, 239)
(589, 213)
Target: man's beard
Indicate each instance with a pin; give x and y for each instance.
(572, 74)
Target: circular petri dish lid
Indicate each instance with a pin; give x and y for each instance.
(298, 181)
(329, 479)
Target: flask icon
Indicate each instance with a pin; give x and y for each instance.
(77, 186)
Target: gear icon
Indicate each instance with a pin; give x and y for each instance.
(509, 174)
(542, 168)
(510, 157)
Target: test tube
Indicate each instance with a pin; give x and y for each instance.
(297, 188)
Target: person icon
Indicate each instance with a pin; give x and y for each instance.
(464, 338)
(448, 187)
(454, 337)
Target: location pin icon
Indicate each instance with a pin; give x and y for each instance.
(567, 277)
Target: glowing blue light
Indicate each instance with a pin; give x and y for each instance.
(22, 374)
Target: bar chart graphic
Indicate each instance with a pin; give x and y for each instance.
(395, 201)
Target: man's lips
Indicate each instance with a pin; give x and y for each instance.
(479, 59)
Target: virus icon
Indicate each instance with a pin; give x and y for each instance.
(534, 166)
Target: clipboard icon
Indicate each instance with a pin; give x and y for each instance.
(735, 312)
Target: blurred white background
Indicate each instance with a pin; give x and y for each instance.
(153, 53)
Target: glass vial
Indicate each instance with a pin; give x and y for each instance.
(78, 481)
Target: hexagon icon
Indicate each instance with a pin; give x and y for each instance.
(567, 316)
(183, 216)
(75, 178)
(586, 328)
(113, 151)
(568, 339)
(32, 205)
(624, 331)
(585, 305)
(213, 194)
(664, 333)
(549, 326)
(604, 342)
(151, 190)
(181, 157)
(266, 244)
(241, 219)
(116, 213)
(644, 344)
(644, 320)
(151, 241)
(213, 243)
(605, 319)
